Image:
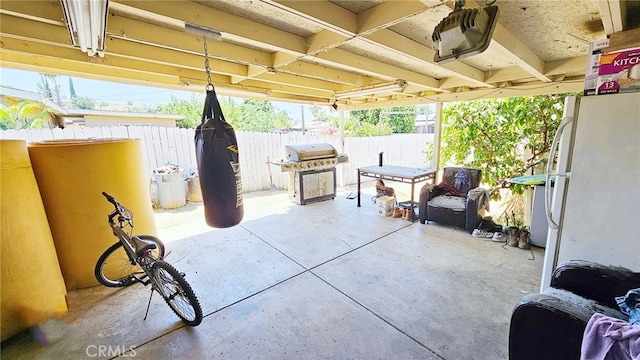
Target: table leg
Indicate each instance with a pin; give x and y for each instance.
(358, 188)
(411, 203)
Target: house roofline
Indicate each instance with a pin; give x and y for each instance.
(63, 112)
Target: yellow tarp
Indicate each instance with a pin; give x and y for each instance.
(32, 285)
(71, 176)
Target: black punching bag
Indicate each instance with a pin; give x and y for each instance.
(218, 166)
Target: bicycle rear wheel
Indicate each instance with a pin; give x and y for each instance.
(177, 292)
(114, 269)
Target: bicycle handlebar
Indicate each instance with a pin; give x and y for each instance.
(119, 209)
(110, 198)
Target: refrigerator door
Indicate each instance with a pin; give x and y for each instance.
(601, 212)
(554, 196)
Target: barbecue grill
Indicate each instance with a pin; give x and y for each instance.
(312, 171)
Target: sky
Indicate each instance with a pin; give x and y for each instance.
(119, 93)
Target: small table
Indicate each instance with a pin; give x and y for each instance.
(402, 174)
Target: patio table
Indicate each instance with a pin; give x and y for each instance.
(402, 174)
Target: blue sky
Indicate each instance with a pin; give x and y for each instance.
(111, 92)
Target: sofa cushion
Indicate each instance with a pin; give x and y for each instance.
(454, 203)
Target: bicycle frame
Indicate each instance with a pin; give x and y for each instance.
(118, 229)
(125, 239)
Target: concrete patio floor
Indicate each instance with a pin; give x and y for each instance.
(326, 280)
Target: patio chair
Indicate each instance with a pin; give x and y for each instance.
(449, 202)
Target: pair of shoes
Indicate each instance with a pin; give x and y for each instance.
(512, 236)
(499, 237)
(406, 214)
(481, 233)
(523, 238)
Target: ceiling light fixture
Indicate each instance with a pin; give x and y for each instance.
(271, 70)
(464, 32)
(87, 24)
(335, 105)
(376, 89)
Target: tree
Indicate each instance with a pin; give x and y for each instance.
(50, 90)
(506, 137)
(191, 110)
(256, 115)
(23, 115)
(81, 102)
(319, 113)
(72, 90)
(403, 121)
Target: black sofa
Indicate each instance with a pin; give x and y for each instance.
(551, 325)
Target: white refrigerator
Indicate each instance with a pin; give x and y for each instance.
(593, 209)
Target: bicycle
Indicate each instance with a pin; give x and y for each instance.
(140, 258)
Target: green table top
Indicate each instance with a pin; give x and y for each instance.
(537, 179)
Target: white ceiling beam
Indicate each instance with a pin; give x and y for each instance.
(534, 88)
(393, 41)
(387, 14)
(518, 52)
(241, 29)
(150, 33)
(371, 26)
(611, 13)
(364, 64)
(505, 42)
(324, 13)
(234, 27)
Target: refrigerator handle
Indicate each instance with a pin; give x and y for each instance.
(551, 172)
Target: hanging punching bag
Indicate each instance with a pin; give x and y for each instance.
(218, 166)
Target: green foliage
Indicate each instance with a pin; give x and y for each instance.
(23, 115)
(320, 114)
(191, 110)
(248, 115)
(255, 115)
(505, 137)
(366, 122)
(355, 128)
(81, 102)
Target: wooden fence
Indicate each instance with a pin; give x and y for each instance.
(162, 146)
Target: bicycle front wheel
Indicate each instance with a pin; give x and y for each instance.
(114, 268)
(177, 292)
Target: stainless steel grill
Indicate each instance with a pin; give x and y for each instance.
(312, 171)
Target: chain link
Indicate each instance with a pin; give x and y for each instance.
(207, 68)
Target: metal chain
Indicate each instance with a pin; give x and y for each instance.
(207, 68)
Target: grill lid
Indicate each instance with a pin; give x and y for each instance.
(310, 152)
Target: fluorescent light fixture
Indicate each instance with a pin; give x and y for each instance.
(87, 24)
(376, 89)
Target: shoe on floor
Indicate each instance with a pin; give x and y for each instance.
(512, 236)
(499, 237)
(481, 233)
(523, 239)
